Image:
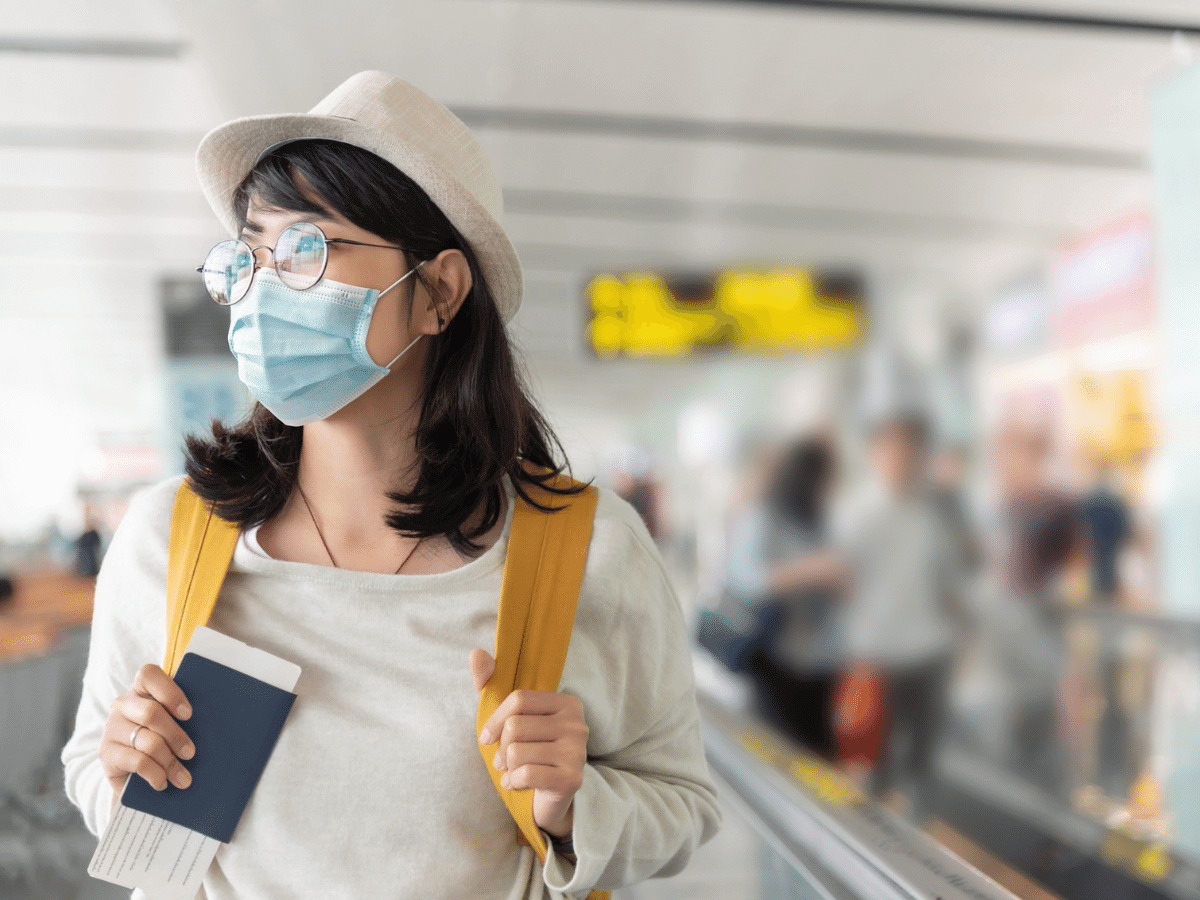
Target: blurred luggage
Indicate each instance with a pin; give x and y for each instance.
(860, 715)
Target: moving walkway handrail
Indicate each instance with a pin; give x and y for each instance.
(1175, 628)
(821, 822)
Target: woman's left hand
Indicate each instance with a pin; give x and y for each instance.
(543, 746)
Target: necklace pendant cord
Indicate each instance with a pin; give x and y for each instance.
(324, 544)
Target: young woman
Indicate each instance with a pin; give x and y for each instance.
(781, 557)
(374, 484)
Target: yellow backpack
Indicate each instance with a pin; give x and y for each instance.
(543, 571)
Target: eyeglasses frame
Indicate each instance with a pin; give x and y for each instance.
(258, 265)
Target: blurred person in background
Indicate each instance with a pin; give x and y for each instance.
(947, 489)
(1107, 521)
(87, 546)
(1036, 538)
(903, 613)
(780, 555)
(1109, 528)
(1021, 453)
(634, 482)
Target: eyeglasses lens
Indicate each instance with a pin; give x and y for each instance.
(300, 256)
(227, 271)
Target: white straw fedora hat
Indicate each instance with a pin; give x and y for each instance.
(405, 126)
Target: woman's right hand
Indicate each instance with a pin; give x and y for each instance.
(159, 745)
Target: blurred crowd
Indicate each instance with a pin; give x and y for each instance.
(893, 590)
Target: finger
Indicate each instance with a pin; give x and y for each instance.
(153, 745)
(123, 758)
(554, 779)
(526, 703)
(567, 724)
(146, 711)
(152, 681)
(117, 733)
(529, 729)
(561, 754)
(482, 667)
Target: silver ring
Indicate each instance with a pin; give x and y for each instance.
(133, 736)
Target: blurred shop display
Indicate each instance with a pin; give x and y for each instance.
(200, 376)
(784, 309)
(1104, 282)
(1069, 376)
(1071, 371)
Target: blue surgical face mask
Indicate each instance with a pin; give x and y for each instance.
(303, 354)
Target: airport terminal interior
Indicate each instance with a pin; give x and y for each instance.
(882, 314)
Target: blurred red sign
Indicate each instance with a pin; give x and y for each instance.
(1104, 282)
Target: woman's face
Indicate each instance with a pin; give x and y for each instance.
(366, 267)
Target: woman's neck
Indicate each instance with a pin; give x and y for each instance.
(352, 460)
(349, 464)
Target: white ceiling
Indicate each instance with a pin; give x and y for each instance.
(625, 133)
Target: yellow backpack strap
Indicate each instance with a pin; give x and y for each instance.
(543, 571)
(198, 556)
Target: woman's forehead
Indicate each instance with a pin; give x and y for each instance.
(263, 217)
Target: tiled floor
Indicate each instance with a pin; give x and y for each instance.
(46, 858)
(737, 864)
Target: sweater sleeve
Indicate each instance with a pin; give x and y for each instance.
(128, 630)
(647, 800)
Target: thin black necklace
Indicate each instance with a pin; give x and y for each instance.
(403, 562)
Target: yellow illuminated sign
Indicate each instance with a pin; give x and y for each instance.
(782, 309)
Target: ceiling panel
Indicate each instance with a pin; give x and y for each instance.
(750, 62)
(55, 90)
(148, 20)
(1040, 201)
(42, 167)
(625, 133)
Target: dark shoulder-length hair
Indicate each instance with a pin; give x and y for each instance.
(477, 422)
(798, 489)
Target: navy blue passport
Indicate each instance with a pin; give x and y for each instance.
(236, 720)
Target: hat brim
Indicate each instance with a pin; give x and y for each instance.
(228, 153)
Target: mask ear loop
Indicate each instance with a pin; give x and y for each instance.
(402, 352)
(419, 336)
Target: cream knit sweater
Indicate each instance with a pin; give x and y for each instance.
(376, 788)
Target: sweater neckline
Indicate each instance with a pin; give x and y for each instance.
(249, 557)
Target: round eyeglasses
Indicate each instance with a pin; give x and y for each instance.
(300, 255)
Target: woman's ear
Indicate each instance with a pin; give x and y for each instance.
(449, 278)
